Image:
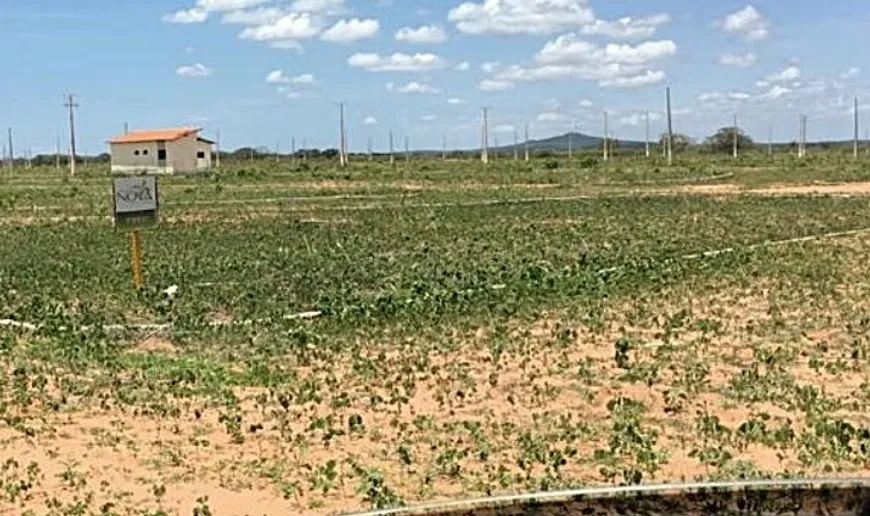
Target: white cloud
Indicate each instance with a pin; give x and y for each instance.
(370, 120)
(429, 118)
(227, 5)
(348, 31)
(851, 73)
(416, 88)
(586, 103)
(455, 101)
(422, 35)
(569, 49)
(790, 73)
(739, 60)
(490, 67)
(762, 84)
(397, 62)
(494, 85)
(747, 23)
(776, 92)
(325, 7)
(258, 16)
(614, 65)
(645, 79)
(626, 28)
(462, 67)
(289, 92)
(292, 26)
(286, 44)
(637, 119)
(194, 70)
(551, 117)
(305, 78)
(186, 16)
(277, 77)
(521, 16)
(739, 95)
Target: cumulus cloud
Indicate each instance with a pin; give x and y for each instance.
(186, 16)
(645, 79)
(397, 62)
(292, 26)
(739, 60)
(348, 31)
(370, 120)
(776, 92)
(789, 73)
(613, 65)
(200, 12)
(464, 66)
(626, 28)
(414, 87)
(495, 85)
(258, 16)
(851, 73)
(325, 7)
(455, 101)
(194, 70)
(552, 117)
(427, 34)
(637, 119)
(279, 77)
(521, 16)
(747, 23)
(429, 118)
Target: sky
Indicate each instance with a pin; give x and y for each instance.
(263, 72)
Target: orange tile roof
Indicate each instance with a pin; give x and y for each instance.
(155, 135)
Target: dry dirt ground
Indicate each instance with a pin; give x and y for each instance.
(520, 407)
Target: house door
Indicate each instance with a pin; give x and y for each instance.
(201, 162)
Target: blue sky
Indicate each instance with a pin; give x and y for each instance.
(264, 71)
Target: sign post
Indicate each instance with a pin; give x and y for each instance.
(135, 205)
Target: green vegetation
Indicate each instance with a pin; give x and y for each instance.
(313, 340)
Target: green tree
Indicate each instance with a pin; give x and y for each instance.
(723, 140)
(681, 142)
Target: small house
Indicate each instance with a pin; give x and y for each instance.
(161, 151)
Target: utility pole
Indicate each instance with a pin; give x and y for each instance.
(11, 152)
(392, 155)
(606, 124)
(342, 151)
(29, 156)
(802, 136)
(126, 128)
(516, 145)
(571, 140)
(647, 133)
(371, 156)
(71, 105)
(735, 151)
(770, 139)
(527, 142)
(856, 128)
(670, 130)
(217, 162)
(484, 153)
(293, 149)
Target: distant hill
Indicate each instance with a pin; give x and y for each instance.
(560, 143)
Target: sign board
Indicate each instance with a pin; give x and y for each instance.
(135, 201)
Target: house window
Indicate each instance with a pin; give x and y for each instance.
(135, 153)
(161, 154)
(200, 155)
(145, 152)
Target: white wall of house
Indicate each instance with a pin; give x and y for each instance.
(181, 156)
